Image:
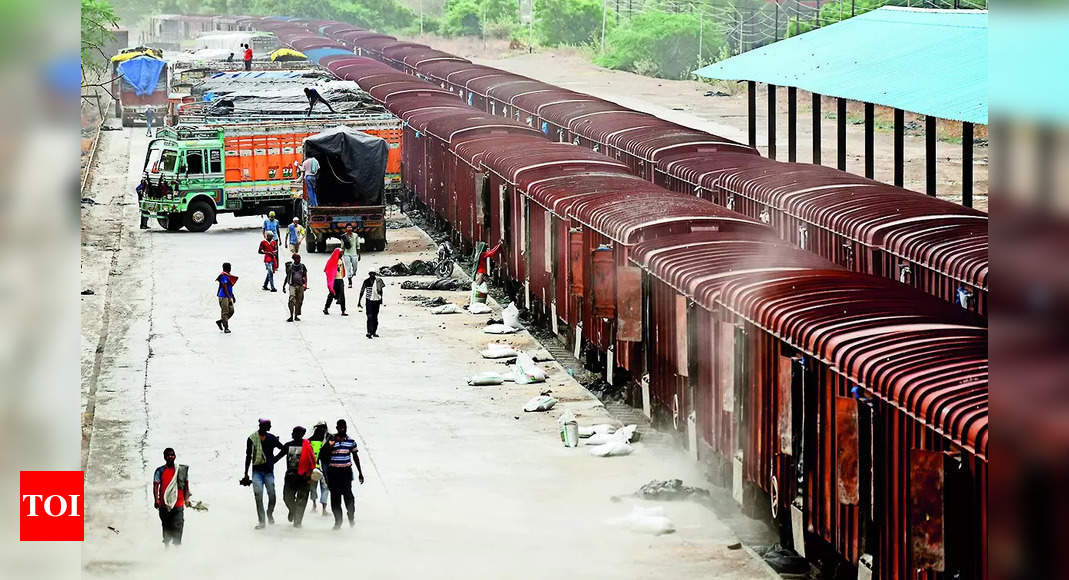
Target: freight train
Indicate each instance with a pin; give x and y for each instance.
(853, 407)
(860, 224)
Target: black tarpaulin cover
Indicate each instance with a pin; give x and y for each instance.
(352, 166)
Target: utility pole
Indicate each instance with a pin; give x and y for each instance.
(604, 7)
(700, 31)
(484, 27)
(530, 30)
(421, 17)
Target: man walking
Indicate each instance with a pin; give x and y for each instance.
(295, 235)
(248, 57)
(271, 225)
(317, 440)
(259, 453)
(170, 490)
(350, 252)
(341, 455)
(300, 461)
(371, 292)
(309, 169)
(269, 248)
(149, 114)
(225, 293)
(297, 280)
(314, 97)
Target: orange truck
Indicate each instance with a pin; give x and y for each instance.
(246, 166)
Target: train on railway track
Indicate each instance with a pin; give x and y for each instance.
(816, 339)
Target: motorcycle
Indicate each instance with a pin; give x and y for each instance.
(444, 266)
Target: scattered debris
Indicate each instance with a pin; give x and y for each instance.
(527, 371)
(113, 529)
(511, 316)
(605, 392)
(541, 355)
(428, 302)
(622, 435)
(447, 284)
(716, 94)
(496, 350)
(198, 505)
(611, 449)
(499, 329)
(88, 201)
(603, 428)
(670, 490)
(478, 308)
(735, 546)
(415, 268)
(783, 560)
(542, 402)
(110, 128)
(446, 309)
(88, 292)
(487, 378)
(646, 520)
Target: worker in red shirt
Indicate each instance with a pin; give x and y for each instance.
(248, 57)
(484, 261)
(170, 490)
(269, 248)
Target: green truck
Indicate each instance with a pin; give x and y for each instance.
(192, 174)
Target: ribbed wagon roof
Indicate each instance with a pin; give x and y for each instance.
(902, 345)
(439, 70)
(515, 162)
(554, 193)
(534, 101)
(564, 112)
(623, 216)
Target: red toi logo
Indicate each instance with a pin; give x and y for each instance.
(51, 506)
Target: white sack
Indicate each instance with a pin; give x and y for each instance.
(499, 329)
(527, 371)
(511, 316)
(540, 403)
(611, 449)
(446, 309)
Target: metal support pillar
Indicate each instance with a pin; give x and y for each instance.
(751, 111)
(792, 124)
(900, 146)
(840, 122)
(929, 155)
(771, 121)
(816, 129)
(870, 140)
(966, 164)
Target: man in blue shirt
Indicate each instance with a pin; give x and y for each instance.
(295, 235)
(339, 455)
(225, 293)
(271, 225)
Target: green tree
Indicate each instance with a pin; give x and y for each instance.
(567, 22)
(98, 21)
(660, 44)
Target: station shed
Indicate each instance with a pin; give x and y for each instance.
(929, 62)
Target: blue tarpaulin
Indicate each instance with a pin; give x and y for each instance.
(142, 73)
(316, 54)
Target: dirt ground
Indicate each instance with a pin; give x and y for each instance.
(723, 112)
(460, 481)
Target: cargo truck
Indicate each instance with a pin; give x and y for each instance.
(140, 84)
(349, 188)
(193, 173)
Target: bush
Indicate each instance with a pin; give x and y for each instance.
(465, 18)
(567, 22)
(660, 44)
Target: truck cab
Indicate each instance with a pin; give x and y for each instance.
(187, 181)
(183, 181)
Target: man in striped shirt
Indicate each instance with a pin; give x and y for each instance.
(340, 456)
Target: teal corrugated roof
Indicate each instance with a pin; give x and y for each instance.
(932, 62)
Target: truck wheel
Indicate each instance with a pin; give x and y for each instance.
(127, 121)
(378, 245)
(310, 244)
(200, 216)
(171, 223)
(321, 245)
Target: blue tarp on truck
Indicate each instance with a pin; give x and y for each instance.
(142, 73)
